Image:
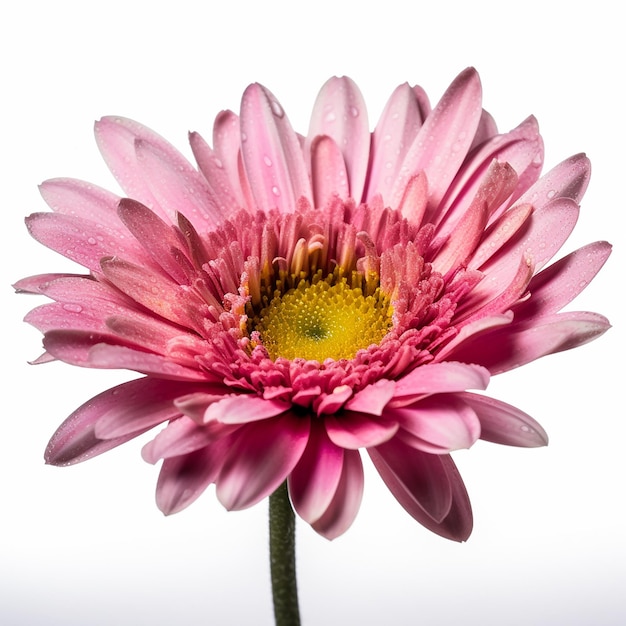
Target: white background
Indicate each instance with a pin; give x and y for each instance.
(87, 546)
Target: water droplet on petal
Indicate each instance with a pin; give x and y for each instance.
(330, 116)
(276, 190)
(92, 241)
(267, 161)
(277, 110)
(551, 194)
(354, 112)
(73, 308)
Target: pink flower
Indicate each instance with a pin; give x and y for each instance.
(296, 299)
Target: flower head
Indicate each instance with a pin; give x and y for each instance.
(293, 300)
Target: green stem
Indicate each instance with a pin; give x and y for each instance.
(283, 559)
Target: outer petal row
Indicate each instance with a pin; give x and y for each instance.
(112, 418)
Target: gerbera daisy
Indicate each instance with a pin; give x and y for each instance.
(292, 301)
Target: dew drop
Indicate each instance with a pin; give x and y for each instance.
(276, 190)
(244, 137)
(92, 241)
(277, 110)
(267, 161)
(330, 116)
(73, 308)
(551, 194)
(354, 112)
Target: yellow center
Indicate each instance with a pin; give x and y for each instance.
(323, 321)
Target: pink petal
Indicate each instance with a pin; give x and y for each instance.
(328, 170)
(544, 233)
(314, 480)
(173, 302)
(399, 123)
(358, 430)
(76, 288)
(438, 378)
(443, 141)
(521, 149)
(457, 525)
(116, 137)
(88, 305)
(465, 229)
(215, 174)
(505, 424)
(482, 303)
(331, 402)
(179, 437)
(144, 331)
(44, 358)
(119, 357)
(444, 422)
(541, 236)
(242, 409)
(340, 112)
(417, 480)
(517, 344)
(415, 199)
(184, 478)
(558, 284)
(144, 405)
(176, 185)
(260, 458)
(194, 405)
(78, 239)
(88, 350)
(447, 486)
(473, 330)
(345, 504)
(74, 346)
(569, 179)
(158, 238)
(37, 283)
(487, 129)
(271, 152)
(498, 233)
(69, 315)
(227, 146)
(373, 398)
(75, 440)
(464, 236)
(76, 197)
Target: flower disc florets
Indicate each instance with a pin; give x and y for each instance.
(323, 318)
